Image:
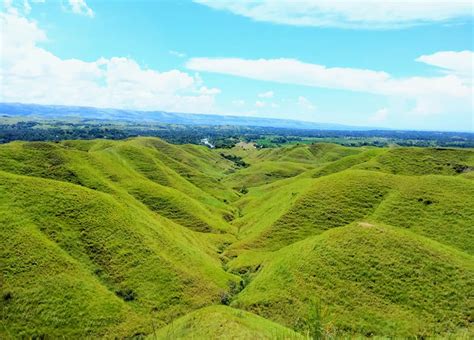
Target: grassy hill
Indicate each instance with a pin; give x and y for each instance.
(366, 279)
(144, 238)
(222, 322)
(142, 265)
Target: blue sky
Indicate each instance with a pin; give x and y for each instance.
(401, 64)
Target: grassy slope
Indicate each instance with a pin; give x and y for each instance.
(138, 232)
(329, 202)
(109, 207)
(222, 322)
(131, 168)
(438, 207)
(94, 239)
(370, 280)
(422, 161)
(264, 173)
(270, 165)
(435, 206)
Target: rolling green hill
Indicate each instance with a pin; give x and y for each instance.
(141, 238)
(223, 322)
(369, 280)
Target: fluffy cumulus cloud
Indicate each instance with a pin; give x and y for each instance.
(440, 93)
(32, 74)
(366, 14)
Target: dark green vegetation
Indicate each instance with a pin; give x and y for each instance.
(30, 128)
(144, 238)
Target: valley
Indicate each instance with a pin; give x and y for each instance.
(143, 238)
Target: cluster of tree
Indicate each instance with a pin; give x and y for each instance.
(238, 161)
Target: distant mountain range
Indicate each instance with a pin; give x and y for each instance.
(82, 112)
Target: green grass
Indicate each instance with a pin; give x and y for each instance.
(222, 322)
(265, 172)
(422, 161)
(438, 207)
(141, 238)
(370, 280)
(329, 202)
(119, 245)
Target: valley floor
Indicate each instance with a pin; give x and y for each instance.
(141, 238)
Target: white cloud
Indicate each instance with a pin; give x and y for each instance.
(31, 74)
(430, 94)
(290, 71)
(379, 116)
(80, 7)
(24, 6)
(306, 104)
(268, 94)
(11, 8)
(366, 14)
(19, 32)
(177, 54)
(261, 104)
(459, 63)
(207, 91)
